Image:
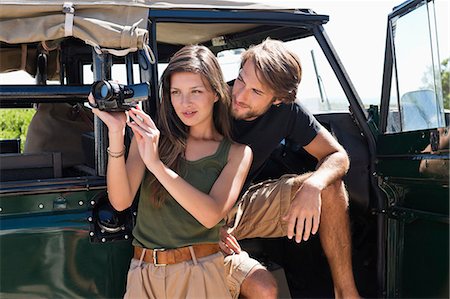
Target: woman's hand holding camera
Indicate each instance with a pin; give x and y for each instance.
(115, 121)
(144, 129)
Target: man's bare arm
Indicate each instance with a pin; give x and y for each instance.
(303, 216)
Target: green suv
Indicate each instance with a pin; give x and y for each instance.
(60, 237)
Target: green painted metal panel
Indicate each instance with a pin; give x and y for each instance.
(425, 272)
(45, 252)
(417, 210)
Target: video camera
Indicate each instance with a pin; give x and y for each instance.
(113, 97)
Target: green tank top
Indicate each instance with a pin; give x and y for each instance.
(171, 226)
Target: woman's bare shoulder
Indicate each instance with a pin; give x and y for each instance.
(240, 151)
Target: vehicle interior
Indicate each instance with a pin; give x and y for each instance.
(66, 147)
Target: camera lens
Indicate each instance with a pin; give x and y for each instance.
(104, 90)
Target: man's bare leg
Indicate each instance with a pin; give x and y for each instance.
(259, 284)
(334, 233)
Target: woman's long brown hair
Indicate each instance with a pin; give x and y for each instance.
(172, 142)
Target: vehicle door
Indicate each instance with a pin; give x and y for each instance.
(413, 157)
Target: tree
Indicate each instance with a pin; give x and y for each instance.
(428, 81)
(445, 76)
(14, 123)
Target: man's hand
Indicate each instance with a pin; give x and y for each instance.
(228, 243)
(303, 217)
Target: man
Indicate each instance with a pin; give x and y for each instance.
(264, 114)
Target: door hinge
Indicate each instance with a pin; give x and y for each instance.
(434, 140)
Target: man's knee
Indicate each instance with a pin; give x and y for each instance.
(259, 284)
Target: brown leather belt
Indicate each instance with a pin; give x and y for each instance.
(162, 257)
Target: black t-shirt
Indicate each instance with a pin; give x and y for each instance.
(286, 121)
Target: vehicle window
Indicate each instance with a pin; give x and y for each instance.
(17, 77)
(319, 89)
(118, 73)
(416, 93)
(14, 122)
(21, 78)
(56, 139)
(14, 126)
(161, 68)
(230, 61)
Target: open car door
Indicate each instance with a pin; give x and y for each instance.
(413, 156)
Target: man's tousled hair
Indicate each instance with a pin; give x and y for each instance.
(277, 67)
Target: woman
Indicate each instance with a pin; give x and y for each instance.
(190, 175)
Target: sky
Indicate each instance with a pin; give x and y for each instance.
(357, 30)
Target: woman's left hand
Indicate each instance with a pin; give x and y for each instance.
(228, 242)
(147, 136)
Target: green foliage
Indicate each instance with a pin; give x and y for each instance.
(445, 76)
(14, 123)
(428, 81)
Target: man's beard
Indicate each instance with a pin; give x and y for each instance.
(250, 114)
(245, 116)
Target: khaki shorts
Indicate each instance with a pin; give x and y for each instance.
(258, 214)
(203, 279)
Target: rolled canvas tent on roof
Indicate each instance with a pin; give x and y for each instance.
(109, 26)
(119, 25)
(191, 4)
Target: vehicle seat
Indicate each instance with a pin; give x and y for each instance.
(18, 167)
(58, 127)
(10, 146)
